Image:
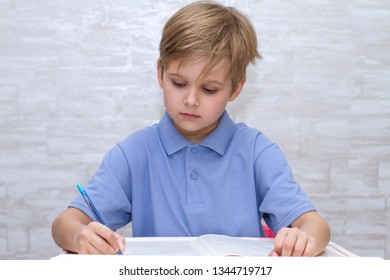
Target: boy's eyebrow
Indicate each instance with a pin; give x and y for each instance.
(180, 76)
(174, 75)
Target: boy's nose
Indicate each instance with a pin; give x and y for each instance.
(191, 99)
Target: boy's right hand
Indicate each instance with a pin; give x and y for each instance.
(96, 238)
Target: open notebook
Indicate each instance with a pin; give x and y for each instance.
(205, 245)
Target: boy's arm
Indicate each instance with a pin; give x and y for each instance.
(74, 231)
(308, 236)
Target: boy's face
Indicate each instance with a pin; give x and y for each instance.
(194, 102)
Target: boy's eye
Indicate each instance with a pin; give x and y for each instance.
(178, 84)
(209, 91)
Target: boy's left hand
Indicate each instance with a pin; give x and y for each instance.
(293, 242)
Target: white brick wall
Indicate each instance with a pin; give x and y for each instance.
(78, 76)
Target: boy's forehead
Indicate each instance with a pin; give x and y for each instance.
(207, 67)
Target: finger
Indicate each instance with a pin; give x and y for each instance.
(300, 245)
(105, 239)
(273, 254)
(87, 239)
(112, 240)
(83, 241)
(92, 250)
(121, 242)
(102, 246)
(291, 236)
(288, 246)
(279, 240)
(310, 248)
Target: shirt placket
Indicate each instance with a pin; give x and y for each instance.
(193, 177)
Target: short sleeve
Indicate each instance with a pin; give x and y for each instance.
(281, 198)
(110, 190)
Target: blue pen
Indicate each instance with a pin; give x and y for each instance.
(93, 208)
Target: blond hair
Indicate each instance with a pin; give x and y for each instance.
(209, 29)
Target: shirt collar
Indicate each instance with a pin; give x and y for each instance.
(218, 140)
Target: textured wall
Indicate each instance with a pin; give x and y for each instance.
(78, 76)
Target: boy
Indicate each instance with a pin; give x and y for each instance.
(196, 172)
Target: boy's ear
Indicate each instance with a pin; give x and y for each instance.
(236, 92)
(159, 72)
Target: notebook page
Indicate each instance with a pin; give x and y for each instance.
(163, 247)
(226, 245)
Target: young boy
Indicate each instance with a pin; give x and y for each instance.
(196, 172)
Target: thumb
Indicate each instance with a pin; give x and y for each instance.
(273, 253)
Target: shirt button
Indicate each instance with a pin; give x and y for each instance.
(194, 175)
(194, 150)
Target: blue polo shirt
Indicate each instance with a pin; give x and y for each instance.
(166, 186)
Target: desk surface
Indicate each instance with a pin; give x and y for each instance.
(334, 250)
(208, 245)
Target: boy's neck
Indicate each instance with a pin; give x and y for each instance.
(198, 136)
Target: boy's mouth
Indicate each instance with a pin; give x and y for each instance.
(190, 116)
